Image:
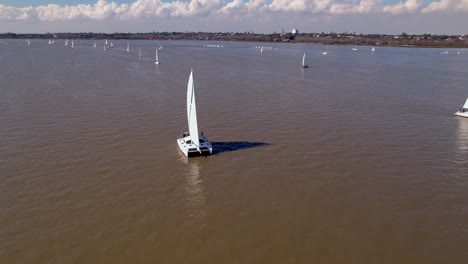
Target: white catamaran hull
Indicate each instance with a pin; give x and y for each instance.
(190, 150)
(462, 114)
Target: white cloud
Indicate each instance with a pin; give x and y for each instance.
(410, 6)
(446, 6)
(221, 9)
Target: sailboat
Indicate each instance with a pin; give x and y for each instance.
(191, 143)
(111, 45)
(373, 49)
(72, 45)
(29, 42)
(261, 50)
(106, 42)
(128, 47)
(463, 112)
(157, 58)
(94, 44)
(303, 62)
(325, 52)
(139, 53)
(104, 47)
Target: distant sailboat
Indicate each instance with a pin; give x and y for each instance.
(104, 47)
(191, 143)
(463, 112)
(373, 49)
(157, 57)
(304, 65)
(325, 52)
(72, 45)
(94, 44)
(111, 45)
(29, 42)
(139, 53)
(106, 41)
(128, 47)
(66, 42)
(261, 50)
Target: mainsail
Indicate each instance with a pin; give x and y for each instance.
(192, 112)
(466, 104)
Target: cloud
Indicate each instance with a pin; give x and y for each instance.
(106, 9)
(452, 6)
(410, 6)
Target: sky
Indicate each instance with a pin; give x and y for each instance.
(261, 16)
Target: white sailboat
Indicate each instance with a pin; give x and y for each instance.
(139, 53)
(463, 112)
(261, 50)
(128, 47)
(373, 49)
(304, 65)
(72, 45)
(325, 52)
(191, 143)
(94, 44)
(111, 45)
(106, 42)
(104, 47)
(29, 42)
(157, 57)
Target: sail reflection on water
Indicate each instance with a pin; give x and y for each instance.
(194, 189)
(462, 137)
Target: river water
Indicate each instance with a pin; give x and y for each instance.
(357, 159)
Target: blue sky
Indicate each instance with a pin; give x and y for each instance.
(265, 16)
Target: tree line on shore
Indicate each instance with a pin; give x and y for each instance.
(330, 38)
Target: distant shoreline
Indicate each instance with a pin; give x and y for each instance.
(350, 39)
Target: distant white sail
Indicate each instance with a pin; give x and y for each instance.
(156, 57)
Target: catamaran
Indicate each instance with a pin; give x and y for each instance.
(463, 112)
(304, 65)
(157, 57)
(191, 143)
